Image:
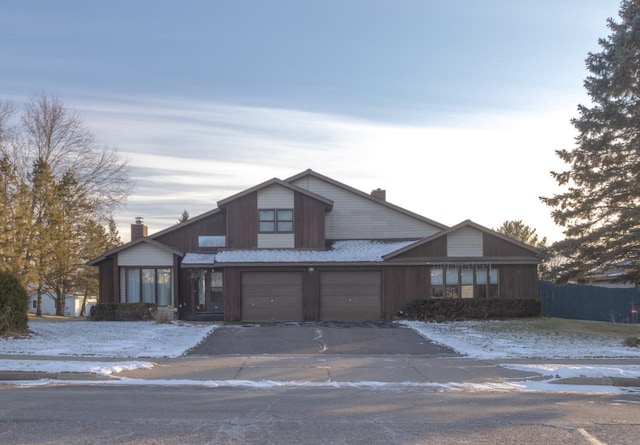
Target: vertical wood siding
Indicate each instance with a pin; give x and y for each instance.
(355, 217)
(145, 255)
(232, 294)
(403, 284)
(185, 239)
(308, 221)
(106, 292)
(242, 222)
(311, 297)
(519, 281)
(466, 242)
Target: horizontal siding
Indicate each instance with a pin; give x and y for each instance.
(275, 197)
(276, 241)
(145, 255)
(466, 242)
(355, 217)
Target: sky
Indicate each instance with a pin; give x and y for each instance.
(454, 108)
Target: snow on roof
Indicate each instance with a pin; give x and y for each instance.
(341, 251)
(198, 259)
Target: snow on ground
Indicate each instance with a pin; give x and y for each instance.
(495, 340)
(107, 339)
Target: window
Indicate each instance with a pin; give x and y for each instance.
(275, 221)
(148, 285)
(494, 290)
(465, 282)
(35, 304)
(451, 283)
(437, 283)
(212, 241)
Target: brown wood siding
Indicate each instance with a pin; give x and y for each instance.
(309, 222)
(497, 247)
(242, 222)
(232, 294)
(106, 293)
(311, 302)
(185, 239)
(519, 281)
(435, 248)
(403, 284)
(184, 300)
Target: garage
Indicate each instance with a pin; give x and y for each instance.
(271, 296)
(350, 296)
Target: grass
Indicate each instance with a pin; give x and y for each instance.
(54, 318)
(559, 326)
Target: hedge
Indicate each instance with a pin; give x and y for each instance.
(448, 309)
(122, 312)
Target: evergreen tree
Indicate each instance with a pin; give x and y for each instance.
(56, 189)
(521, 232)
(184, 217)
(600, 203)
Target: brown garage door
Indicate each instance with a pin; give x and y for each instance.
(350, 296)
(272, 296)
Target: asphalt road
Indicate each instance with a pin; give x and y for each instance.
(318, 338)
(191, 415)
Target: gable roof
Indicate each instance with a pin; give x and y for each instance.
(132, 244)
(367, 196)
(466, 223)
(275, 181)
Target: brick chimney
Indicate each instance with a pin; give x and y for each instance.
(379, 194)
(138, 229)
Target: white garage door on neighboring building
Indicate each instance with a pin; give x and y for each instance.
(350, 296)
(272, 296)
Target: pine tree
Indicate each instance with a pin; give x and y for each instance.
(600, 203)
(521, 232)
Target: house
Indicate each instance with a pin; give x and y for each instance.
(73, 305)
(310, 248)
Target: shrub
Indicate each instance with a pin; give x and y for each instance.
(122, 312)
(14, 303)
(448, 309)
(632, 341)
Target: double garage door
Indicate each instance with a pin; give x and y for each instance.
(344, 296)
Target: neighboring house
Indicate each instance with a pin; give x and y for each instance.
(73, 305)
(310, 248)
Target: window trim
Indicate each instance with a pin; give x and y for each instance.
(492, 284)
(155, 269)
(276, 220)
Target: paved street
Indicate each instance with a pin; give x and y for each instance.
(191, 415)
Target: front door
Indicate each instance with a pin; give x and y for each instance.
(215, 300)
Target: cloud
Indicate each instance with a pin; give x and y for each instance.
(489, 168)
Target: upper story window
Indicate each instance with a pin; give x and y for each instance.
(212, 241)
(275, 220)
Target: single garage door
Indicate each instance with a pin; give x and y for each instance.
(350, 296)
(271, 296)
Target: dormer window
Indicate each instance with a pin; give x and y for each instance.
(275, 220)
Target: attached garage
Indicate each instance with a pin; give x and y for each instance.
(272, 296)
(351, 296)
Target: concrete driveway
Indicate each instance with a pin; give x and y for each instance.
(317, 338)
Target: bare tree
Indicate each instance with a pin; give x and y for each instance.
(72, 183)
